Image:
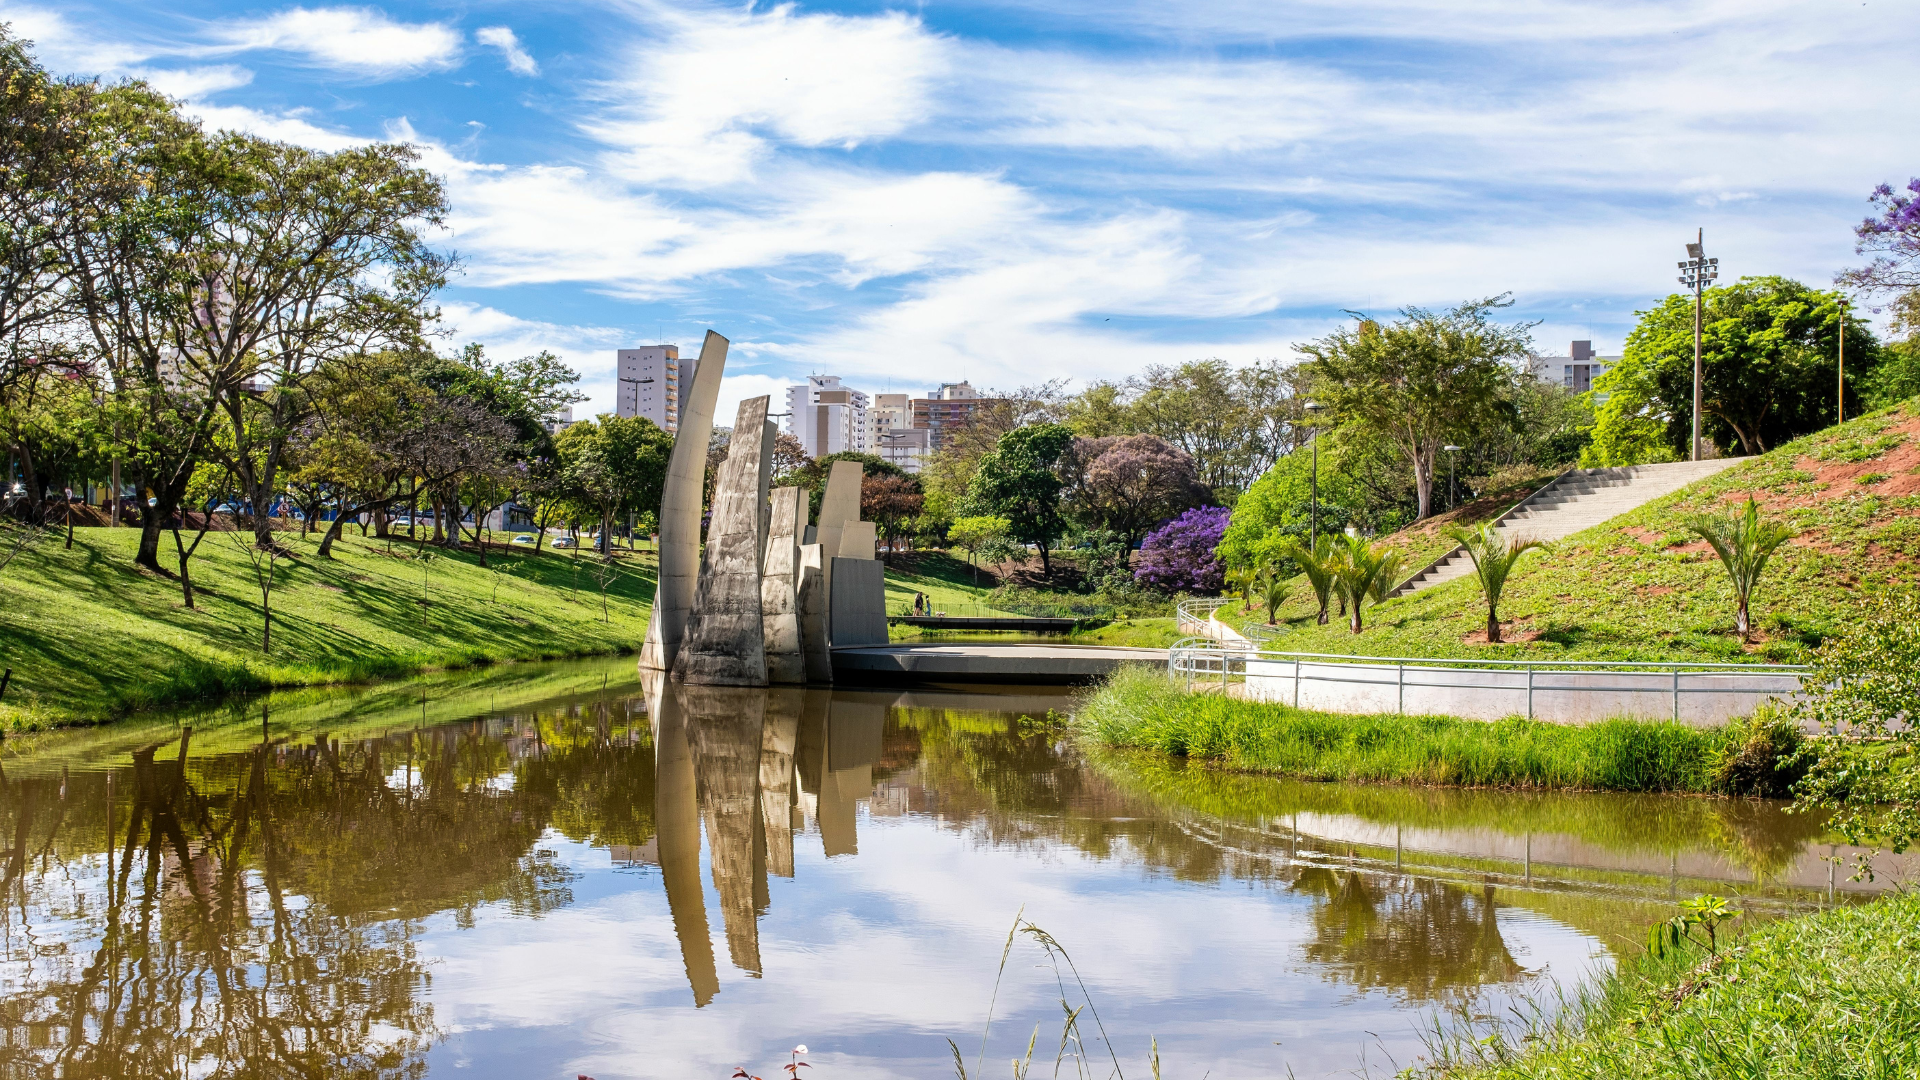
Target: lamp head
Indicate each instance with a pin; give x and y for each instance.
(1695, 251)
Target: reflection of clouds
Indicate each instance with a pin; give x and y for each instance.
(875, 960)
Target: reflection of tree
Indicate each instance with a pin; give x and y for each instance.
(1425, 939)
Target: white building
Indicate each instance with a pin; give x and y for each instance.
(1575, 371)
(829, 418)
(651, 379)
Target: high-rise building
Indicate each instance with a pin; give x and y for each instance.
(894, 438)
(829, 418)
(952, 405)
(1575, 371)
(651, 380)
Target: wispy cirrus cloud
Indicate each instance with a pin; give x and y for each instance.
(519, 61)
(364, 41)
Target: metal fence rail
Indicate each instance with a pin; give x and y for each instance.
(1198, 659)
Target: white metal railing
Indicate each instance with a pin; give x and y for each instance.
(1198, 658)
(1198, 610)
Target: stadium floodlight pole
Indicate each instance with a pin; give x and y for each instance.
(1694, 274)
(1313, 537)
(1841, 404)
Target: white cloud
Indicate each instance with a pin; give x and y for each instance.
(289, 127)
(196, 82)
(362, 40)
(519, 61)
(65, 47)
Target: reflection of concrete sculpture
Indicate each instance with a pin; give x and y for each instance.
(837, 754)
(725, 725)
(777, 787)
(680, 510)
(676, 818)
(725, 639)
(779, 594)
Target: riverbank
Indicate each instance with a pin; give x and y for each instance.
(1143, 710)
(1832, 994)
(90, 637)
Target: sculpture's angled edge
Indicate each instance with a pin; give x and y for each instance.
(725, 638)
(772, 432)
(779, 596)
(812, 600)
(680, 510)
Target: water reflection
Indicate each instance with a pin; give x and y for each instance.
(393, 886)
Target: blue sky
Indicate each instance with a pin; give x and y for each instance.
(909, 194)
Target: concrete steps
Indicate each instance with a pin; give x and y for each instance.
(1579, 499)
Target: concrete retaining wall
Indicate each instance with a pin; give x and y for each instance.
(1574, 697)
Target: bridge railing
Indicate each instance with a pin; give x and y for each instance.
(1571, 690)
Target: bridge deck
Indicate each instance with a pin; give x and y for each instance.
(1016, 623)
(947, 663)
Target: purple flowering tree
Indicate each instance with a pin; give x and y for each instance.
(1892, 236)
(1179, 555)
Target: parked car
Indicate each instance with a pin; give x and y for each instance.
(523, 538)
(565, 542)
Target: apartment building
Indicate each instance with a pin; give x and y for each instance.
(651, 380)
(1576, 370)
(829, 417)
(951, 406)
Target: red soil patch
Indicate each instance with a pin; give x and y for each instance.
(1657, 590)
(1510, 634)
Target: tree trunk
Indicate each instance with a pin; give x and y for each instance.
(1356, 616)
(1742, 624)
(333, 533)
(1493, 627)
(148, 556)
(1423, 482)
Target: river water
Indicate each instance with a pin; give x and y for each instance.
(537, 872)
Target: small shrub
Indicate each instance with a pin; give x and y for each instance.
(1761, 756)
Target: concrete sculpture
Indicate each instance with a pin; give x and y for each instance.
(761, 606)
(725, 637)
(680, 511)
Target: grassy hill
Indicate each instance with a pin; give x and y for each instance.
(1641, 587)
(88, 635)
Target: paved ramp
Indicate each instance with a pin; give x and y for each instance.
(1578, 500)
(1005, 664)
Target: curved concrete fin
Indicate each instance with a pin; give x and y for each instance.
(725, 639)
(680, 510)
(839, 505)
(811, 598)
(771, 432)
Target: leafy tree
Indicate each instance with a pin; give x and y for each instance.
(1864, 780)
(1362, 568)
(1423, 381)
(812, 473)
(975, 533)
(1180, 556)
(1020, 481)
(1769, 350)
(1129, 483)
(1494, 557)
(1745, 543)
(1892, 235)
(891, 502)
(615, 466)
(1361, 484)
(1234, 422)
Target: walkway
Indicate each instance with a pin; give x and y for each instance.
(1005, 664)
(1579, 499)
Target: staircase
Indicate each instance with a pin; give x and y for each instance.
(1578, 499)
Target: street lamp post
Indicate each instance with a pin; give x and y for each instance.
(1313, 540)
(1695, 272)
(1841, 404)
(1453, 499)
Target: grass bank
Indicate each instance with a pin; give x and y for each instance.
(90, 637)
(1641, 587)
(1836, 994)
(1141, 709)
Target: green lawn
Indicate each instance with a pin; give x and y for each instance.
(1640, 588)
(89, 636)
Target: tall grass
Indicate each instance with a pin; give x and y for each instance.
(1835, 994)
(1140, 708)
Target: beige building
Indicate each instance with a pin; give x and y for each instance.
(651, 379)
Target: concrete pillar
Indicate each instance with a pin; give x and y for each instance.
(768, 434)
(725, 638)
(680, 511)
(839, 505)
(779, 595)
(858, 540)
(858, 612)
(676, 820)
(811, 597)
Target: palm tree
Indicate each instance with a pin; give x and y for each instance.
(1361, 566)
(1493, 558)
(1321, 565)
(1274, 587)
(1744, 543)
(1240, 580)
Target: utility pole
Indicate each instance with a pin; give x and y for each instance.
(1841, 403)
(1313, 539)
(1695, 272)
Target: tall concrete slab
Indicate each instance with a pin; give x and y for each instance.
(779, 592)
(676, 818)
(858, 540)
(839, 505)
(812, 599)
(680, 511)
(858, 612)
(725, 639)
(767, 436)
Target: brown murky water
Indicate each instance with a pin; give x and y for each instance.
(529, 872)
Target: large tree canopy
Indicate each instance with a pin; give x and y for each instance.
(1769, 355)
(1423, 381)
(1020, 480)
